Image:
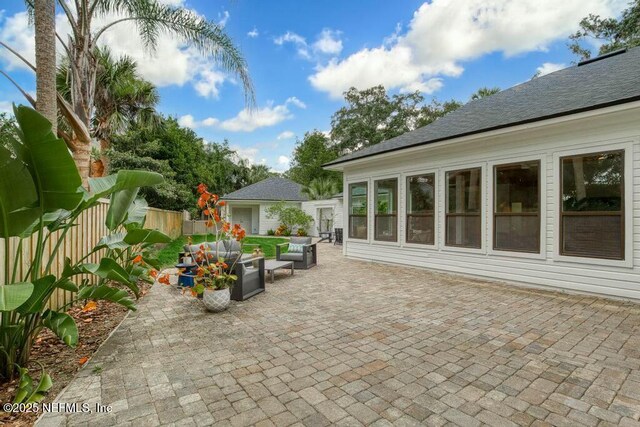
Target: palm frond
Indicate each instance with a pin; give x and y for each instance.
(152, 18)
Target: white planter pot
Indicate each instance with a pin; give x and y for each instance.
(216, 301)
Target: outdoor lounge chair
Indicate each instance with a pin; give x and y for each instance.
(301, 260)
(338, 237)
(251, 280)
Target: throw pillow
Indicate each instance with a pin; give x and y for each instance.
(296, 248)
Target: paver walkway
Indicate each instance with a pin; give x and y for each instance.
(351, 343)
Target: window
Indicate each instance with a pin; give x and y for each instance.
(386, 213)
(517, 207)
(358, 210)
(592, 214)
(464, 203)
(420, 209)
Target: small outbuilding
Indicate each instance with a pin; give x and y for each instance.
(248, 206)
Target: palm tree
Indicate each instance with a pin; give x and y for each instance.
(484, 92)
(320, 189)
(151, 19)
(122, 98)
(45, 30)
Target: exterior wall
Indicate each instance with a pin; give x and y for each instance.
(311, 207)
(609, 129)
(255, 213)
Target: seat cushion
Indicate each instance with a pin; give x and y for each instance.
(291, 257)
(300, 240)
(216, 247)
(194, 249)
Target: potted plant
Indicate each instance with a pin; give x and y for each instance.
(214, 275)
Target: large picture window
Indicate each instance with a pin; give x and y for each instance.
(386, 210)
(517, 207)
(358, 210)
(464, 208)
(420, 209)
(592, 199)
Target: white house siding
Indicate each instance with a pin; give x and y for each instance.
(311, 207)
(255, 213)
(613, 128)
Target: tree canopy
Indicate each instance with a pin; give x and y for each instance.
(608, 33)
(309, 155)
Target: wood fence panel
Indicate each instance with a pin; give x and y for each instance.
(78, 242)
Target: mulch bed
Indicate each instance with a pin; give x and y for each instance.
(61, 361)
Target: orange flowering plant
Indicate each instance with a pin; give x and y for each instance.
(214, 271)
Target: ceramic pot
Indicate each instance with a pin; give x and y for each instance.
(217, 300)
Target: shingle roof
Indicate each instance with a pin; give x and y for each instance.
(274, 188)
(603, 82)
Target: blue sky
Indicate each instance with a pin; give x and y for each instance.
(302, 55)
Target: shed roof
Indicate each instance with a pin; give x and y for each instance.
(274, 188)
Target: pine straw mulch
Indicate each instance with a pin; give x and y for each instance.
(61, 361)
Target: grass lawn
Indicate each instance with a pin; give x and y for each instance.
(168, 256)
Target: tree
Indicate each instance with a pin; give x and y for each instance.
(122, 98)
(309, 155)
(292, 217)
(484, 92)
(256, 173)
(435, 110)
(45, 38)
(371, 116)
(321, 189)
(609, 33)
(151, 18)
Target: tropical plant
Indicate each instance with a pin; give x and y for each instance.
(291, 217)
(122, 98)
(215, 273)
(41, 200)
(151, 18)
(321, 189)
(484, 92)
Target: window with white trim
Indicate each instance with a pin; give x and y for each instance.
(386, 210)
(358, 210)
(463, 217)
(592, 205)
(421, 194)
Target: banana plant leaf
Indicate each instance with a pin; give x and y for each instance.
(108, 269)
(26, 393)
(128, 186)
(62, 325)
(107, 293)
(14, 295)
(52, 169)
(141, 235)
(41, 291)
(137, 214)
(18, 197)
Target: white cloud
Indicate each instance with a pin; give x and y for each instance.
(248, 120)
(6, 107)
(187, 121)
(223, 18)
(445, 33)
(282, 164)
(297, 40)
(253, 33)
(173, 62)
(295, 101)
(549, 67)
(248, 154)
(287, 134)
(328, 42)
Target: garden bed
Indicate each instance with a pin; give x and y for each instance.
(62, 362)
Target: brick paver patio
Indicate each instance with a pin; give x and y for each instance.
(353, 343)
